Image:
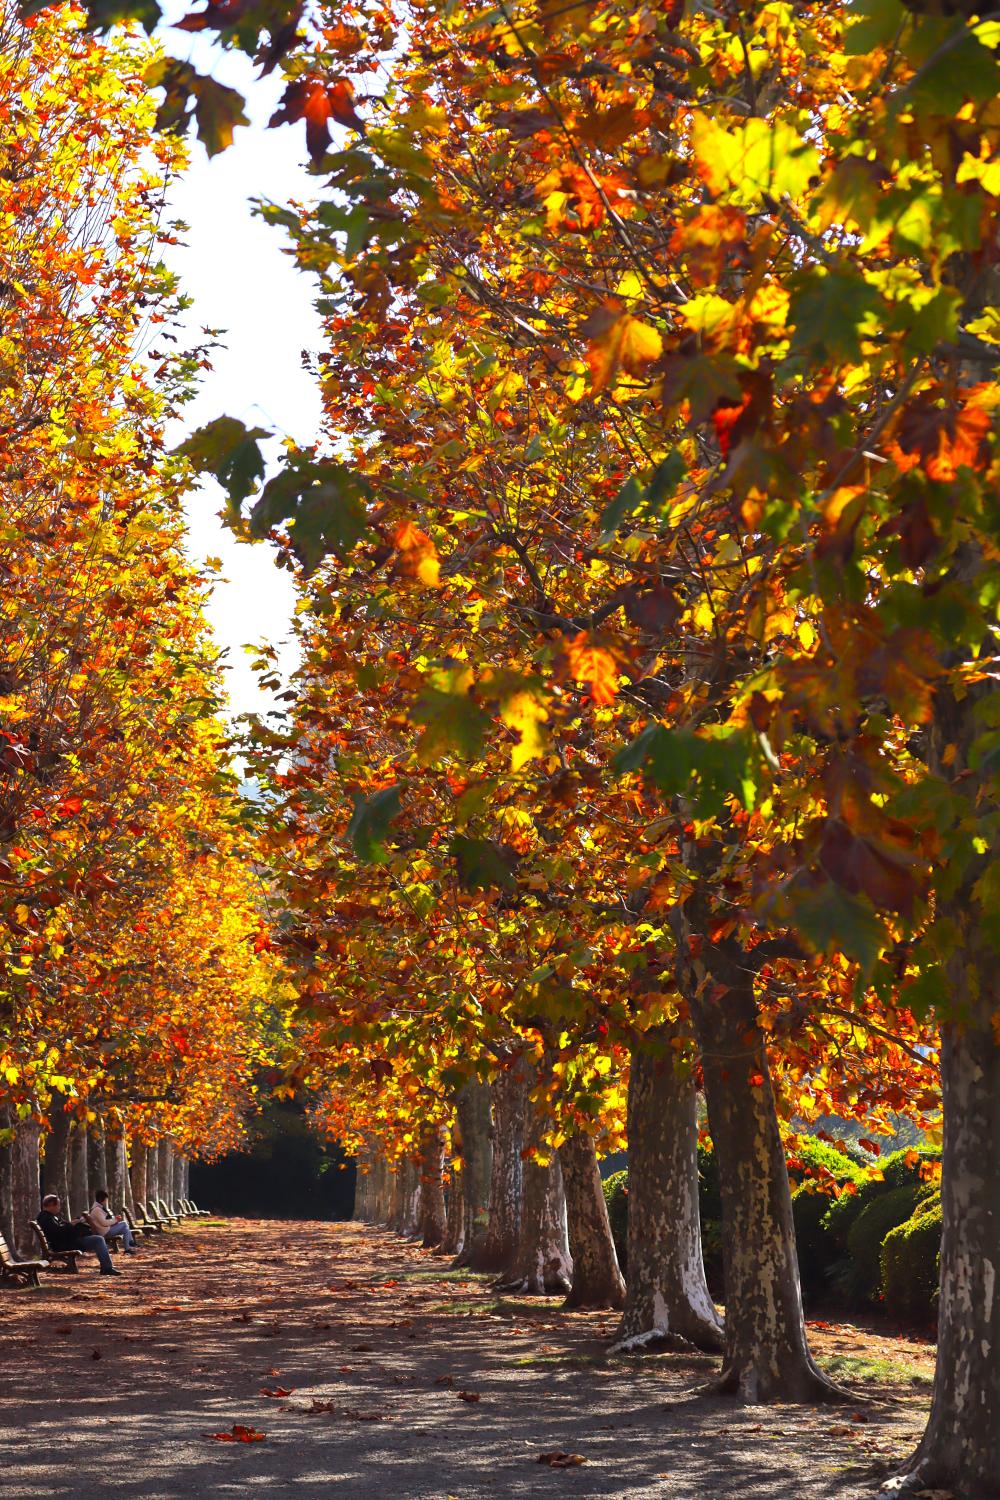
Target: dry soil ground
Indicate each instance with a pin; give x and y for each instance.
(392, 1377)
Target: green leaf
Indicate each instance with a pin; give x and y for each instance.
(483, 863)
(833, 921)
(877, 24)
(705, 770)
(828, 308)
(454, 724)
(370, 822)
(231, 452)
(103, 14)
(322, 504)
(644, 500)
(217, 112)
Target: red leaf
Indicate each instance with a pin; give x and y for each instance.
(275, 1391)
(318, 102)
(238, 1434)
(469, 1396)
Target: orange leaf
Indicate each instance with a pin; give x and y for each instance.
(594, 665)
(618, 341)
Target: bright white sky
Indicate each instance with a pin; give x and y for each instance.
(240, 280)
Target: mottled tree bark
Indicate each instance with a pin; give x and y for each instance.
(97, 1168)
(473, 1106)
(509, 1097)
(597, 1279)
(383, 1190)
(165, 1171)
(55, 1169)
(960, 1450)
(24, 1186)
(667, 1295)
(454, 1234)
(115, 1167)
(432, 1219)
(6, 1222)
(766, 1357)
(152, 1174)
(542, 1263)
(79, 1175)
(137, 1172)
(178, 1179)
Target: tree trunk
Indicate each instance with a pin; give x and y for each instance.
(473, 1107)
(115, 1167)
(152, 1173)
(597, 1280)
(6, 1222)
(766, 1356)
(509, 1093)
(137, 1172)
(79, 1175)
(55, 1172)
(383, 1190)
(432, 1218)
(165, 1170)
(960, 1450)
(97, 1169)
(542, 1262)
(454, 1234)
(25, 1194)
(178, 1178)
(667, 1297)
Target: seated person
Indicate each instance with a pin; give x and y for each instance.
(78, 1236)
(113, 1227)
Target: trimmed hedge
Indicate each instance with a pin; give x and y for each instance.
(857, 1278)
(910, 1260)
(881, 1240)
(616, 1197)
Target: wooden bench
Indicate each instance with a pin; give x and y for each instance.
(67, 1259)
(152, 1215)
(140, 1226)
(194, 1210)
(166, 1214)
(19, 1272)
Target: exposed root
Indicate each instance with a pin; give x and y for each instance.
(653, 1341)
(808, 1387)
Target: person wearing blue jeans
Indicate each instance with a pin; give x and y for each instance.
(106, 1224)
(79, 1236)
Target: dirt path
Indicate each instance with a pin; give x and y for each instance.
(111, 1384)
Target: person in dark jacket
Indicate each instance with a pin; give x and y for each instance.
(63, 1236)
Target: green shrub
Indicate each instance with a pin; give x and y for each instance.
(709, 1187)
(909, 1262)
(858, 1277)
(903, 1168)
(812, 1155)
(616, 1197)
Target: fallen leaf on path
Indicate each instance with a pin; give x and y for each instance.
(362, 1348)
(561, 1460)
(469, 1396)
(238, 1434)
(277, 1390)
(353, 1415)
(445, 1380)
(318, 1407)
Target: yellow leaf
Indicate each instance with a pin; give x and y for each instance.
(524, 713)
(618, 341)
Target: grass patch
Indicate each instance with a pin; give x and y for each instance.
(483, 1277)
(493, 1305)
(579, 1360)
(873, 1371)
